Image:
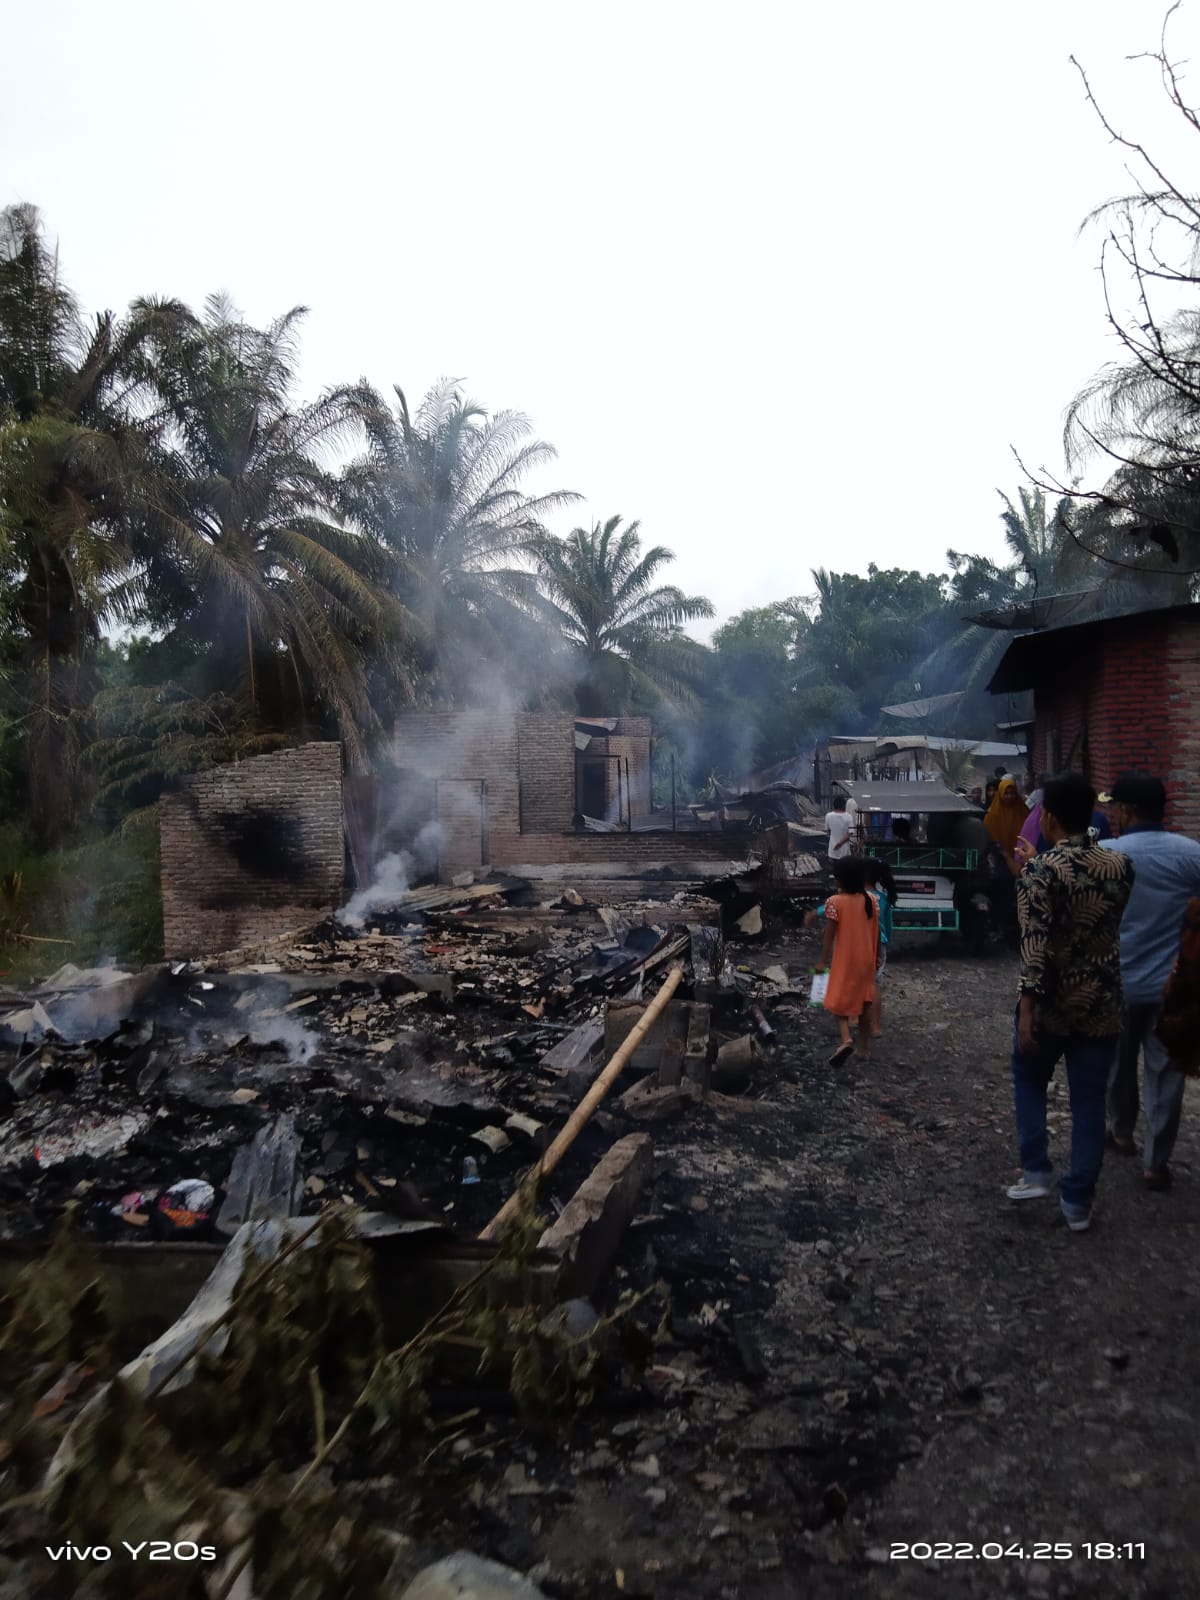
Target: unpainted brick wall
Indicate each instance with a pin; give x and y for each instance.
(634, 749)
(252, 850)
(460, 751)
(1135, 689)
(1183, 700)
(546, 757)
(1129, 720)
(457, 744)
(526, 763)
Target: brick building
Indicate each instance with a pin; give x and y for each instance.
(252, 850)
(258, 849)
(512, 789)
(1114, 695)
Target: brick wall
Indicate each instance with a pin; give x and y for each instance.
(1182, 770)
(634, 748)
(1128, 716)
(457, 744)
(546, 765)
(1134, 687)
(253, 850)
(527, 764)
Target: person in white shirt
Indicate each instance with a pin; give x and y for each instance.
(840, 827)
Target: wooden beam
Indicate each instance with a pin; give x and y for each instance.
(587, 1234)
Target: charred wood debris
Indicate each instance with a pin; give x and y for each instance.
(248, 1208)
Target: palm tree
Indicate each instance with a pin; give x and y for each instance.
(243, 555)
(626, 633)
(439, 497)
(73, 457)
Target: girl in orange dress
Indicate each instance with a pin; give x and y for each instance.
(850, 953)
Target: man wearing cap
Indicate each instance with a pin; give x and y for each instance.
(1167, 867)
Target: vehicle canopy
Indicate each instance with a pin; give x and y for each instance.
(905, 798)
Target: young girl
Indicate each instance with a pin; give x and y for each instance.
(850, 952)
(883, 885)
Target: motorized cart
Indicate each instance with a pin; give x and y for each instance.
(943, 880)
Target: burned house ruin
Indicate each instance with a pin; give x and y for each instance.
(265, 847)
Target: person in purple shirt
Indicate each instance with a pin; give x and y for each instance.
(1168, 876)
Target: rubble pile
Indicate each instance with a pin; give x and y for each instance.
(417, 1055)
(309, 1148)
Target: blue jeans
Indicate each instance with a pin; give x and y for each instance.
(1089, 1062)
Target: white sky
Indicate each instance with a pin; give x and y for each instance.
(785, 281)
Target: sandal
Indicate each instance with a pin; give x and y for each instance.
(841, 1055)
(1123, 1147)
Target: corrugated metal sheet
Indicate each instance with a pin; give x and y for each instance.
(927, 707)
(905, 797)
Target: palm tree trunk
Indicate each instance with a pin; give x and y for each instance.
(250, 666)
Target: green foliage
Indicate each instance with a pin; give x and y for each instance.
(864, 632)
(56, 1312)
(438, 497)
(74, 451)
(146, 736)
(624, 631)
(1062, 549)
(241, 548)
(99, 900)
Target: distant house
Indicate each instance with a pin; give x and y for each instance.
(1115, 694)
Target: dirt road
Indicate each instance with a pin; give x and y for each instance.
(941, 1367)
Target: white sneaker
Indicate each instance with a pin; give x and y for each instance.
(1077, 1218)
(1032, 1186)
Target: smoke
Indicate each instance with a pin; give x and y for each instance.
(289, 1033)
(394, 875)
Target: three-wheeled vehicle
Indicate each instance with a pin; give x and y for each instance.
(943, 880)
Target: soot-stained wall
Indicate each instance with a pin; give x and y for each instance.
(253, 850)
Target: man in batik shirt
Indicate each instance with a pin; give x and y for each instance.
(1069, 902)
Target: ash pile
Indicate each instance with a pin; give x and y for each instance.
(321, 1197)
(422, 1057)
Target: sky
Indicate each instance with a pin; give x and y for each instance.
(786, 282)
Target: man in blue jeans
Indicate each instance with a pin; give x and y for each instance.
(1070, 901)
(1168, 876)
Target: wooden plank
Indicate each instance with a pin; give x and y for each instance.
(588, 1233)
(575, 1056)
(647, 1102)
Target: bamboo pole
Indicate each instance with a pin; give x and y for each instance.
(583, 1111)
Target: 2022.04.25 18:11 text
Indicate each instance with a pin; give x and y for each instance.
(994, 1550)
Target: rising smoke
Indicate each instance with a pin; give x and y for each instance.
(394, 876)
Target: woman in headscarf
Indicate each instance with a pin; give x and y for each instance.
(1005, 818)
